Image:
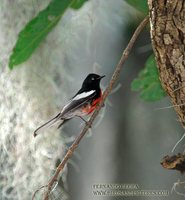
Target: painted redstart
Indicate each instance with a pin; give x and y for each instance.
(83, 103)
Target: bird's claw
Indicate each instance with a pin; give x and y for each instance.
(88, 124)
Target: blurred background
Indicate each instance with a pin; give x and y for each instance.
(130, 136)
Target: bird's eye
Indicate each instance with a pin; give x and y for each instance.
(92, 79)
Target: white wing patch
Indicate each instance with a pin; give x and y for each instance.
(83, 95)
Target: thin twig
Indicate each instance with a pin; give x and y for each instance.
(114, 78)
(174, 188)
(34, 194)
(178, 142)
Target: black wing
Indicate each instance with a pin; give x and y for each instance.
(74, 104)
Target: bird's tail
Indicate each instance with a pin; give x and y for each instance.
(47, 124)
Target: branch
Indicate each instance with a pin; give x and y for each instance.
(114, 78)
(34, 194)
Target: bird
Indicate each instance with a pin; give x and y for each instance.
(83, 103)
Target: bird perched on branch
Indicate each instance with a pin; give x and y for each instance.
(83, 103)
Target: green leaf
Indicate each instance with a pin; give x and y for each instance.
(140, 5)
(153, 92)
(36, 30)
(78, 3)
(148, 82)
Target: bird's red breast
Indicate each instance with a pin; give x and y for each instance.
(91, 107)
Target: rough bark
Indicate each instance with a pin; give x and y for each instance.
(167, 19)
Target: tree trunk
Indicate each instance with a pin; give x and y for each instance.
(167, 32)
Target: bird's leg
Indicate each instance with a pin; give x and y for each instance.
(62, 123)
(87, 123)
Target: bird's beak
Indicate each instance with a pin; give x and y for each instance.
(101, 77)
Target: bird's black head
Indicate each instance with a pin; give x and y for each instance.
(92, 81)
